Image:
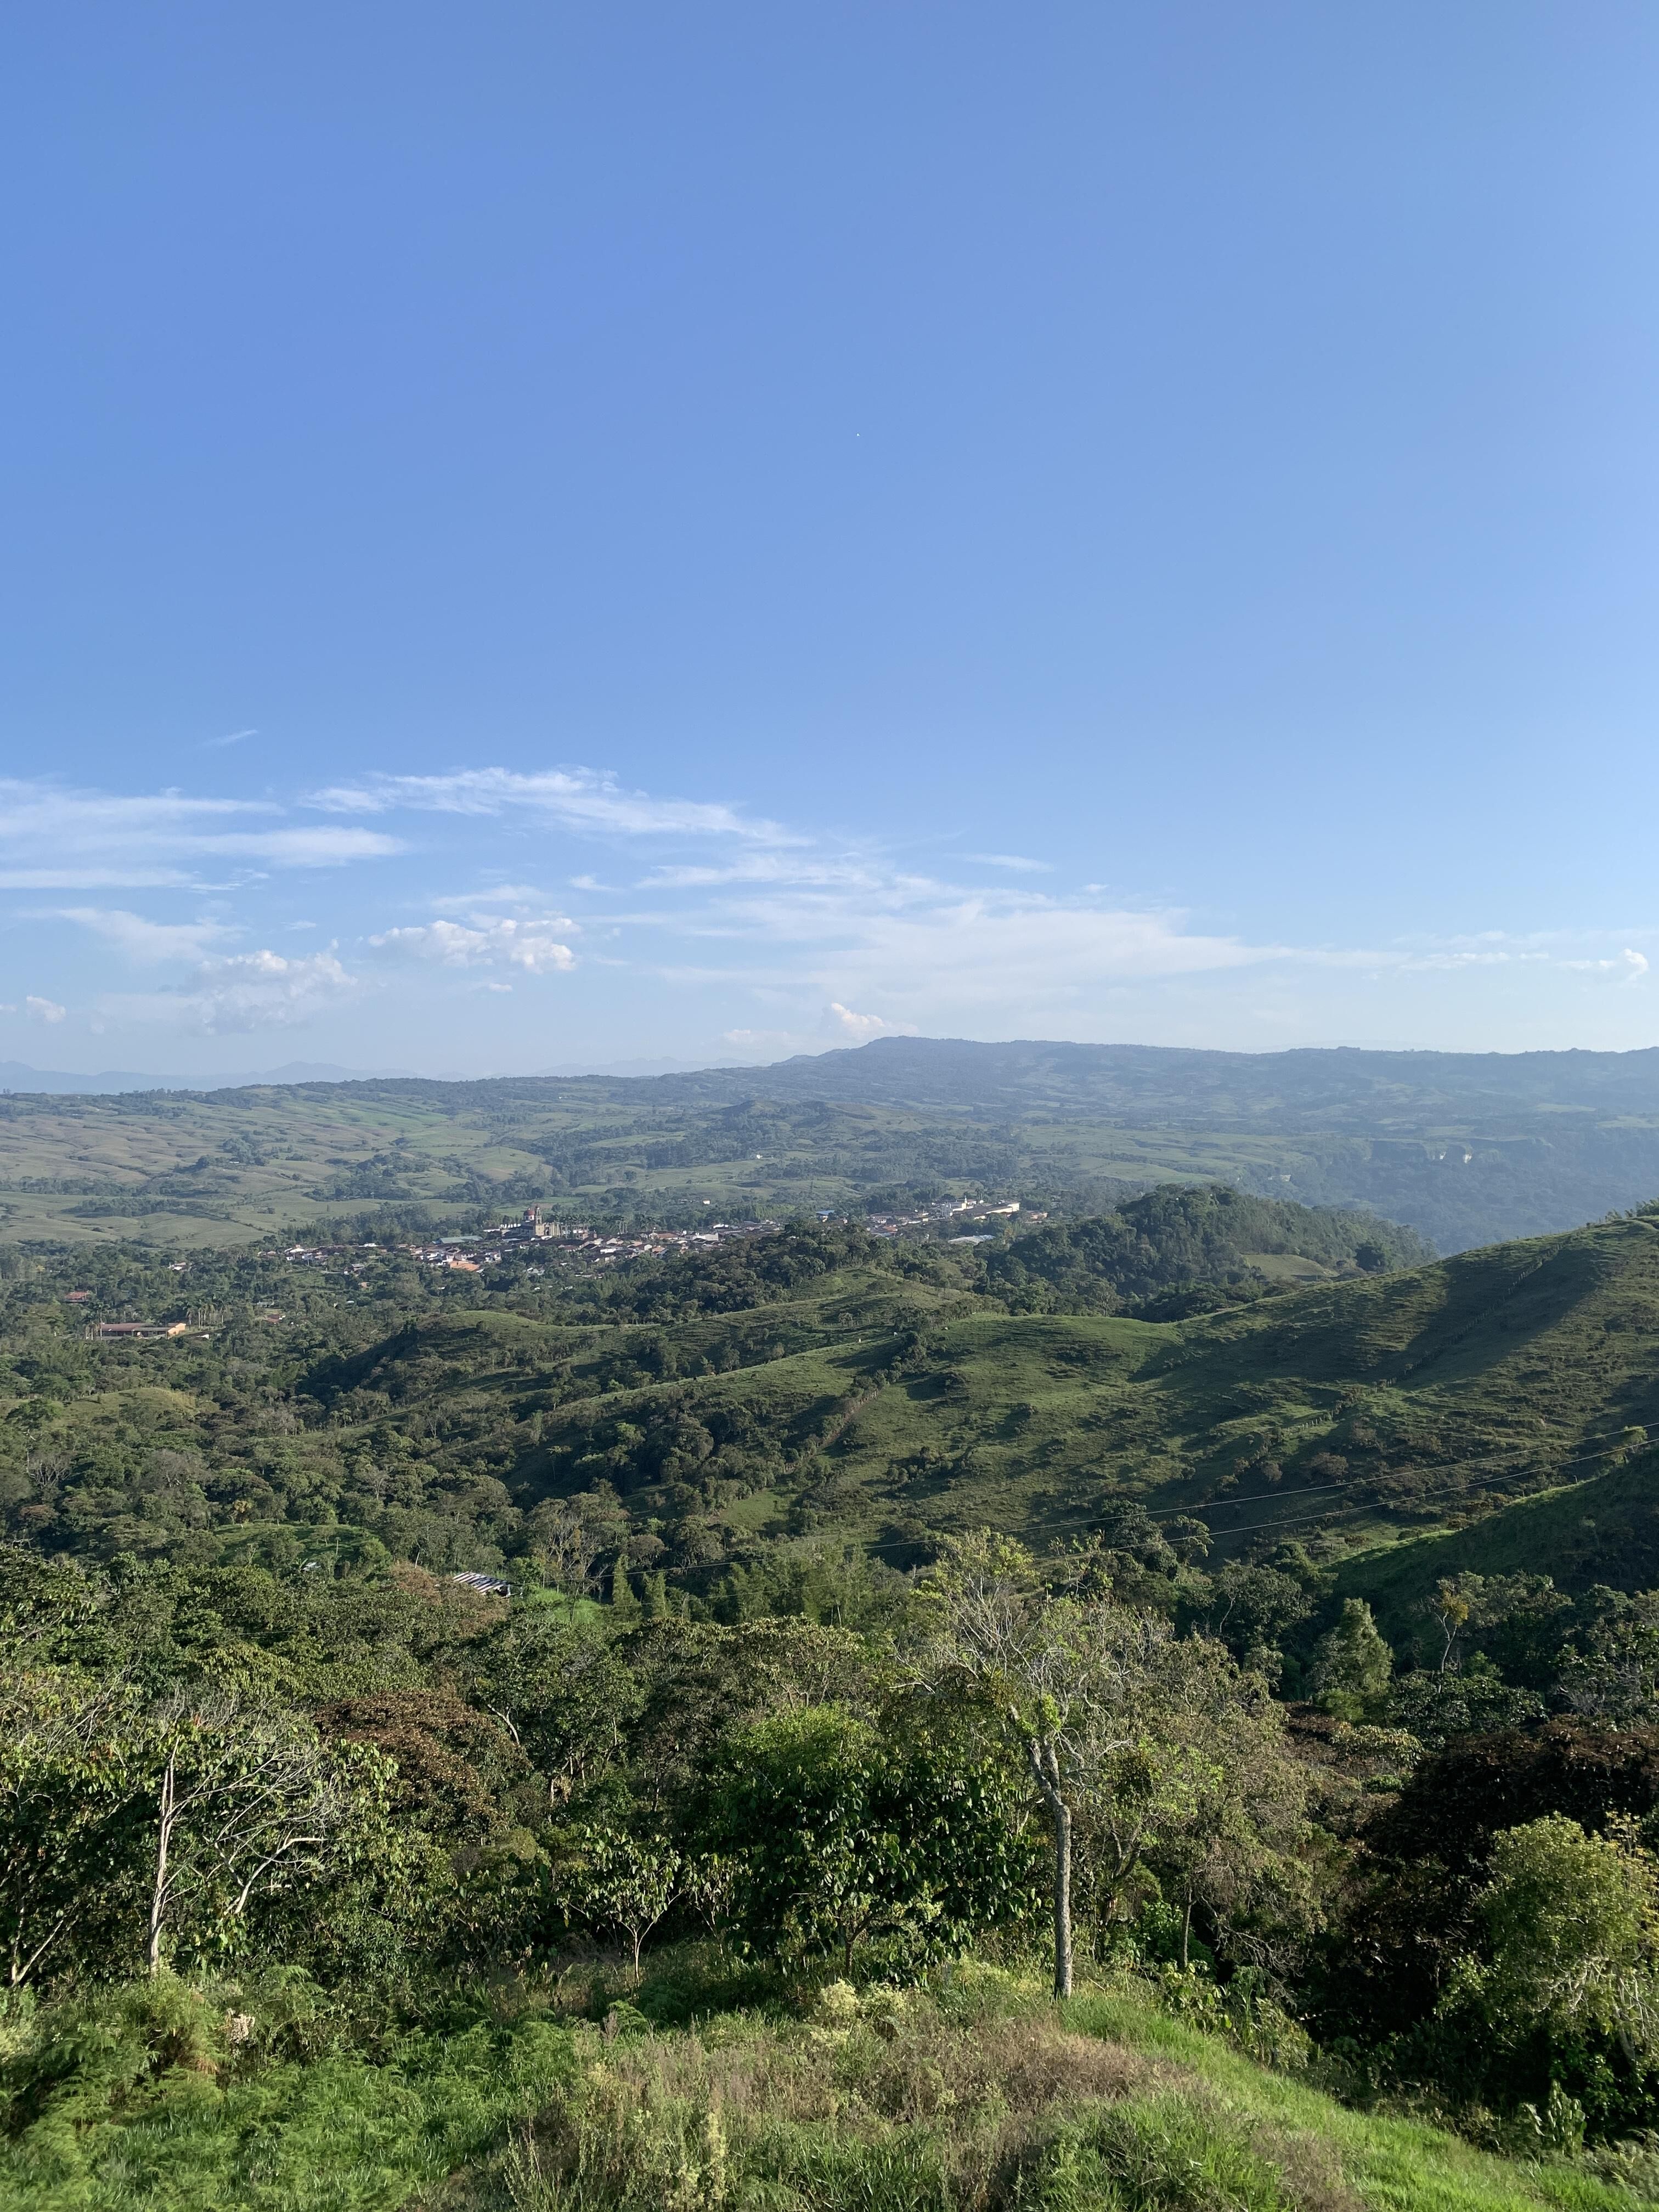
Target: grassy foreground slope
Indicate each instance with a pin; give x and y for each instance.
(977, 2096)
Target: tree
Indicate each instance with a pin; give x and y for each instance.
(1351, 1665)
(821, 1869)
(1615, 1677)
(1252, 1605)
(623, 1603)
(1470, 1700)
(607, 1878)
(1236, 1810)
(1076, 1684)
(563, 1691)
(564, 1544)
(246, 1802)
(1571, 1921)
(837, 1835)
(73, 1798)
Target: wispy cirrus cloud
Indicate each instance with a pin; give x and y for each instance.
(529, 898)
(828, 871)
(580, 799)
(57, 837)
(147, 943)
(923, 959)
(1566, 950)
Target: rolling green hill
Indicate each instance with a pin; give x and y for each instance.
(703, 1417)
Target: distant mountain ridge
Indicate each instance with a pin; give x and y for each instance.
(57, 1082)
(1298, 1087)
(1302, 1088)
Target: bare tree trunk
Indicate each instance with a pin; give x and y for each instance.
(1062, 1899)
(1186, 1931)
(163, 1844)
(1045, 1772)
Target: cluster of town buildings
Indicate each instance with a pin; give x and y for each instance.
(530, 1231)
(951, 1213)
(971, 1220)
(531, 1236)
(100, 1329)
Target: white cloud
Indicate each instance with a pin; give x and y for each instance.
(149, 942)
(1015, 861)
(577, 798)
(1497, 948)
(1630, 966)
(487, 943)
(248, 991)
(313, 847)
(235, 738)
(55, 838)
(44, 1010)
(861, 1027)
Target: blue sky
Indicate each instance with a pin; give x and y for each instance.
(541, 537)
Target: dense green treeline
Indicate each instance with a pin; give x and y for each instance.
(1176, 1237)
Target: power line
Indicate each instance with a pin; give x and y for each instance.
(1256, 1496)
(1327, 1513)
(1379, 1505)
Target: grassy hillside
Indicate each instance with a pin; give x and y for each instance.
(979, 2096)
(1466, 1149)
(1605, 1530)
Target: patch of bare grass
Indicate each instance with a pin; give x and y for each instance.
(899, 2102)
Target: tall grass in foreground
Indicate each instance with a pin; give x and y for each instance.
(979, 2096)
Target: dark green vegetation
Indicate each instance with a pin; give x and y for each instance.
(1466, 1148)
(716, 1865)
